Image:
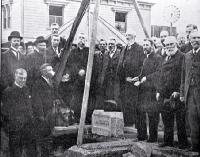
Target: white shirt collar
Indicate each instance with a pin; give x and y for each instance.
(131, 43)
(14, 51)
(197, 51)
(18, 85)
(112, 54)
(36, 50)
(47, 80)
(56, 50)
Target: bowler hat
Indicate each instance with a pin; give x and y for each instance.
(14, 34)
(30, 43)
(40, 39)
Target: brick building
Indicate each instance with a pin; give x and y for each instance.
(33, 17)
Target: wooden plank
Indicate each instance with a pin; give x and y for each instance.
(72, 129)
(65, 55)
(140, 18)
(88, 73)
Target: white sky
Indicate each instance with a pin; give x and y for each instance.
(189, 13)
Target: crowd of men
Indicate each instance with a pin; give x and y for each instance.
(161, 76)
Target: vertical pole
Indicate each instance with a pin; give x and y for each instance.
(66, 49)
(171, 28)
(88, 74)
(88, 22)
(22, 18)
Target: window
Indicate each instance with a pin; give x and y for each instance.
(120, 21)
(8, 16)
(4, 17)
(55, 15)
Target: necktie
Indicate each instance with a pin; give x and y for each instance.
(17, 55)
(168, 58)
(111, 54)
(57, 52)
(128, 47)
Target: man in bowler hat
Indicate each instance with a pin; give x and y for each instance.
(11, 60)
(36, 59)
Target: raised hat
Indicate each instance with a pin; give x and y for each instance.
(40, 39)
(132, 32)
(14, 34)
(170, 39)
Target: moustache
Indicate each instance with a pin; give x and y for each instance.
(16, 44)
(196, 42)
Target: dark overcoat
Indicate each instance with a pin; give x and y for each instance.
(61, 44)
(147, 90)
(19, 123)
(16, 107)
(109, 79)
(190, 70)
(43, 96)
(186, 48)
(43, 100)
(33, 63)
(77, 60)
(8, 66)
(170, 75)
(53, 58)
(51, 54)
(132, 64)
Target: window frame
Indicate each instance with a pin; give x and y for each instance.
(4, 16)
(55, 16)
(8, 16)
(122, 12)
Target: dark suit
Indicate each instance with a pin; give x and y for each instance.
(190, 90)
(170, 81)
(186, 48)
(8, 66)
(147, 98)
(52, 54)
(132, 63)
(61, 44)
(108, 82)
(43, 100)
(18, 113)
(33, 63)
(43, 97)
(77, 61)
(65, 88)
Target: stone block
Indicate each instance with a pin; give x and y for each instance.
(102, 149)
(107, 123)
